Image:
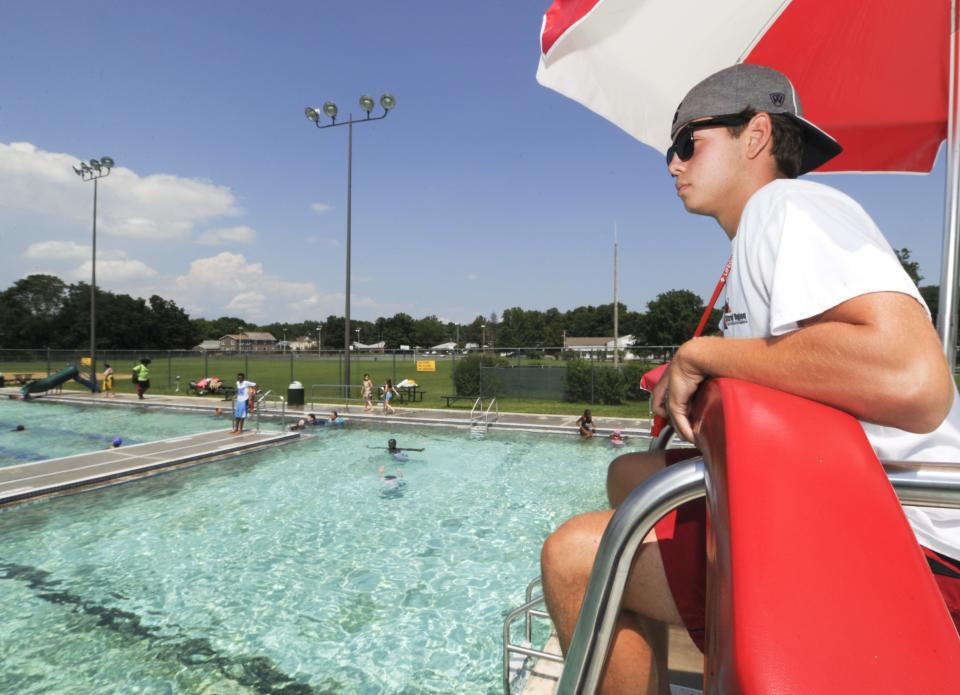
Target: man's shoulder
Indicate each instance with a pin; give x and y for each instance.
(790, 190)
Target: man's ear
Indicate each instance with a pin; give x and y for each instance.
(757, 137)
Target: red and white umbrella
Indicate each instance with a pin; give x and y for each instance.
(875, 74)
(872, 73)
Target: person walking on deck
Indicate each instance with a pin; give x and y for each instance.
(141, 376)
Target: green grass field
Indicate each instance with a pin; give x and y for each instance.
(319, 376)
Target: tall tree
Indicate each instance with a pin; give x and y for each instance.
(912, 267)
(672, 317)
(29, 311)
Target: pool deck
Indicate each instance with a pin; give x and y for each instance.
(106, 467)
(435, 417)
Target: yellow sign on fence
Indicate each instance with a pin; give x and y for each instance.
(84, 361)
(426, 365)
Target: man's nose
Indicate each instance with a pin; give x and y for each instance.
(675, 166)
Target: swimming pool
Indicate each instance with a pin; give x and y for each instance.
(292, 570)
(54, 429)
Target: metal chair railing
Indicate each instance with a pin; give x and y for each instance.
(922, 484)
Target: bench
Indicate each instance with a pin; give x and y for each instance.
(23, 378)
(228, 392)
(454, 399)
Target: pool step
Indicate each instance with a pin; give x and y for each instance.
(29, 480)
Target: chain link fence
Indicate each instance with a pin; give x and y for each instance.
(537, 374)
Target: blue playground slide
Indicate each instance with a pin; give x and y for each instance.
(54, 380)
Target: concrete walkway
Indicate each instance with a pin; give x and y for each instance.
(445, 417)
(97, 468)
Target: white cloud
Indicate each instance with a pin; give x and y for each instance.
(471, 276)
(247, 304)
(321, 207)
(228, 283)
(115, 271)
(227, 235)
(57, 250)
(40, 189)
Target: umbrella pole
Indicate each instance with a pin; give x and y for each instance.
(947, 313)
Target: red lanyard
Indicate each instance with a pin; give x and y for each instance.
(713, 300)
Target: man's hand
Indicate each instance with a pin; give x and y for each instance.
(674, 392)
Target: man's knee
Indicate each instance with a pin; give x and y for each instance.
(629, 470)
(568, 553)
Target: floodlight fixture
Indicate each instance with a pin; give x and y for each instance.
(329, 109)
(94, 171)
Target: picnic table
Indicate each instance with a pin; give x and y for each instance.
(23, 377)
(410, 394)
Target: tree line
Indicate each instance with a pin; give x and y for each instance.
(43, 311)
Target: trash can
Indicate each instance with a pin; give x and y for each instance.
(295, 394)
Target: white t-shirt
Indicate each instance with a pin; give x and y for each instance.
(802, 248)
(243, 389)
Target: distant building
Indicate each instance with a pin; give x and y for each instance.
(254, 341)
(208, 346)
(303, 343)
(375, 347)
(597, 348)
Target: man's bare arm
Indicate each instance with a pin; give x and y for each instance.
(875, 356)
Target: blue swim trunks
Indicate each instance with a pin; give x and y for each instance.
(240, 409)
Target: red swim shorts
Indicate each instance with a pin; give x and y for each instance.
(682, 538)
(946, 572)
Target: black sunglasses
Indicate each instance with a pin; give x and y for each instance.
(683, 144)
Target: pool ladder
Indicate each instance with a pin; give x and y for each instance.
(515, 654)
(270, 397)
(480, 419)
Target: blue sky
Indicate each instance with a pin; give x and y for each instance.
(481, 191)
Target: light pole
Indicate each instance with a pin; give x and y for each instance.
(284, 341)
(319, 339)
(357, 331)
(94, 171)
(240, 340)
(387, 102)
(483, 337)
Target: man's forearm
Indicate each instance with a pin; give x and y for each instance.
(852, 367)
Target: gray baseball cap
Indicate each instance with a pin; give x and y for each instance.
(742, 86)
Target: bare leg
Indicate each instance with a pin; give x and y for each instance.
(629, 470)
(638, 655)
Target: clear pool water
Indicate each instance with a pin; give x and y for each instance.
(288, 571)
(54, 430)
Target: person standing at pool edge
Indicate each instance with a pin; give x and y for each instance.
(141, 376)
(814, 289)
(366, 392)
(389, 393)
(108, 381)
(245, 390)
